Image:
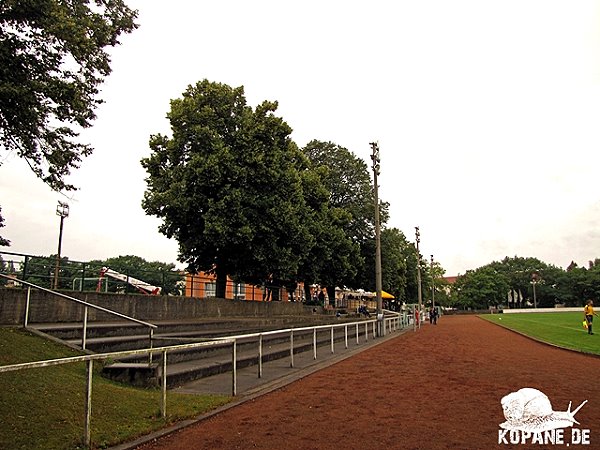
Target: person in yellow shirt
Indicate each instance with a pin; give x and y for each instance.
(588, 312)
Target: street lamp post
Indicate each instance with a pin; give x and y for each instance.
(419, 292)
(376, 167)
(534, 280)
(62, 210)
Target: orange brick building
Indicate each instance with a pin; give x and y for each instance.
(203, 285)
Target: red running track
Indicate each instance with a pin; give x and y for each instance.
(438, 388)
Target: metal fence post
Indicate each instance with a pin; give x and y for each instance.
(163, 397)
(357, 334)
(346, 335)
(25, 266)
(332, 345)
(87, 432)
(260, 351)
(234, 367)
(82, 277)
(26, 319)
(366, 331)
(292, 348)
(84, 332)
(314, 343)
(150, 353)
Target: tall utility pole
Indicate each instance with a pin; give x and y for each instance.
(62, 210)
(432, 285)
(420, 293)
(376, 167)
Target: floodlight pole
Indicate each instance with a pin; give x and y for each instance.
(420, 293)
(62, 210)
(432, 285)
(376, 167)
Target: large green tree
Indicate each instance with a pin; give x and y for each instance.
(227, 186)
(347, 179)
(332, 252)
(412, 279)
(53, 57)
(521, 274)
(350, 220)
(395, 253)
(481, 288)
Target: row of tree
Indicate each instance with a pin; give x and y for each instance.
(524, 282)
(242, 199)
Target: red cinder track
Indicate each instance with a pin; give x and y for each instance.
(438, 388)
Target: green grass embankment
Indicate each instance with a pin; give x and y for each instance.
(44, 408)
(561, 329)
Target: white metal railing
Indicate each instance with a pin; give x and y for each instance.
(390, 324)
(89, 360)
(86, 305)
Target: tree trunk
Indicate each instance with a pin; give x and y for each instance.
(307, 293)
(331, 295)
(221, 283)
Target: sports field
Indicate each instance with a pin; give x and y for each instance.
(563, 329)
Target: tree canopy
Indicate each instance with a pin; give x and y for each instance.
(53, 57)
(344, 223)
(346, 178)
(227, 186)
(519, 282)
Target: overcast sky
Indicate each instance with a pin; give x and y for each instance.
(487, 115)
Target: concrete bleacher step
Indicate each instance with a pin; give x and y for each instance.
(136, 341)
(179, 373)
(191, 364)
(69, 330)
(73, 331)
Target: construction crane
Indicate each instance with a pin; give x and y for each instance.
(140, 285)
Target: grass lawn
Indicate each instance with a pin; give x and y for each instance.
(562, 329)
(44, 408)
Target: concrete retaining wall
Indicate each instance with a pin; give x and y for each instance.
(45, 307)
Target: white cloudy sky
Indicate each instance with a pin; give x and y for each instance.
(487, 115)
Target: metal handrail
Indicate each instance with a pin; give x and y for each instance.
(86, 305)
(81, 302)
(280, 331)
(89, 360)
